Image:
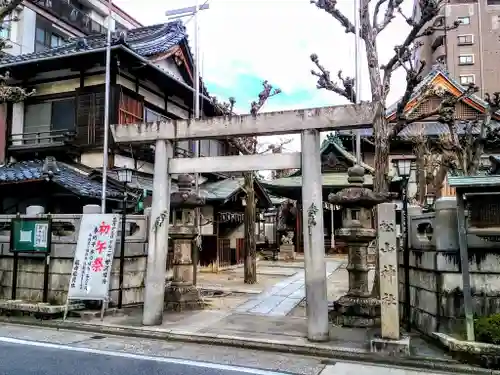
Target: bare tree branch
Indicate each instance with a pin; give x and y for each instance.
(325, 81)
(392, 7)
(329, 7)
(267, 92)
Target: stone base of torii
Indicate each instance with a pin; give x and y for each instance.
(308, 123)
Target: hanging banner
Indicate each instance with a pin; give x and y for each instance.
(93, 257)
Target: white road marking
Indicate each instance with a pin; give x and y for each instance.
(185, 362)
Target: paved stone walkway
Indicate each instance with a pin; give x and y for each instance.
(281, 298)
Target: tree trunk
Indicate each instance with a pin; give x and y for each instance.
(250, 265)
(380, 181)
(421, 174)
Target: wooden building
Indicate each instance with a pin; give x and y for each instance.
(52, 143)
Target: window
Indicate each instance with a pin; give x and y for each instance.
(151, 116)
(49, 118)
(467, 79)
(464, 20)
(465, 59)
(45, 39)
(464, 40)
(131, 111)
(5, 28)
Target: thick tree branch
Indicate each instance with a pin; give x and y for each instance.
(329, 6)
(325, 81)
(392, 7)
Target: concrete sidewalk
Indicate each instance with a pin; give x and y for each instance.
(258, 332)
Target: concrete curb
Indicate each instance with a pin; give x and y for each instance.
(317, 350)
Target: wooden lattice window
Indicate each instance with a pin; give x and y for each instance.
(131, 111)
(425, 107)
(464, 112)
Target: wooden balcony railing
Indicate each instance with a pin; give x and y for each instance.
(40, 139)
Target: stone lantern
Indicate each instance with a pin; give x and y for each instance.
(181, 293)
(357, 308)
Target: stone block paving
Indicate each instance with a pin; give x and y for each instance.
(281, 298)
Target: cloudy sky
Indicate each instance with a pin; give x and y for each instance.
(247, 41)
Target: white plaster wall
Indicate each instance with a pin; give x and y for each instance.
(24, 36)
(17, 122)
(126, 162)
(207, 213)
(170, 66)
(101, 8)
(91, 159)
(238, 232)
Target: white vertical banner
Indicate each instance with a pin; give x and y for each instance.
(93, 257)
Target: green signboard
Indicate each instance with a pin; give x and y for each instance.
(30, 235)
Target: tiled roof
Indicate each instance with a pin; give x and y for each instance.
(431, 128)
(436, 70)
(145, 41)
(68, 177)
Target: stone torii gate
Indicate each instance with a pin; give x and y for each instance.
(308, 122)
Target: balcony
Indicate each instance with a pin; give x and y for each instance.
(38, 141)
(72, 15)
(438, 40)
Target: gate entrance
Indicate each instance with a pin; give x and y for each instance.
(308, 123)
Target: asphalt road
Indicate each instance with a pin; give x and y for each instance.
(21, 357)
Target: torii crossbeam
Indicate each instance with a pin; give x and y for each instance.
(308, 122)
(271, 123)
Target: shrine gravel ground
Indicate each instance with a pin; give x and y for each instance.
(28, 350)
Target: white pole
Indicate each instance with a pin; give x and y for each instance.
(106, 112)
(358, 72)
(197, 61)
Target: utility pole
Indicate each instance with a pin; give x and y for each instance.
(193, 11)
(105, 156)
(357, 42)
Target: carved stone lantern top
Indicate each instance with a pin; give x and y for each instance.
(185, 197)
(355, 195)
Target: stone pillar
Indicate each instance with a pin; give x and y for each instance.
(158, 237)
(35, 210)
(287, 248)
(445, 235)
(181, 293)
(92, 209)
(389, 339)
(314, 247)
(357, 308)
(388, 261)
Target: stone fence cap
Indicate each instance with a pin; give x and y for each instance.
(446, 203)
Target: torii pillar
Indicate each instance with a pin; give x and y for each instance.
(308, 122)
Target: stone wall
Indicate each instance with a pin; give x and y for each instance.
(64, 237)
(435, 272)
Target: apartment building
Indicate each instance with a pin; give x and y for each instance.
(45, 24)
(471, 52)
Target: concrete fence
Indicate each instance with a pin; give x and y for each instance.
(436, 295)
(65, 228)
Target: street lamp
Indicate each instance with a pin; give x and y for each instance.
(125, 177)
(404, 170)
(430, 200)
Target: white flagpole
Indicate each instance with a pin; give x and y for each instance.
(357, 43)
(105, 156)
